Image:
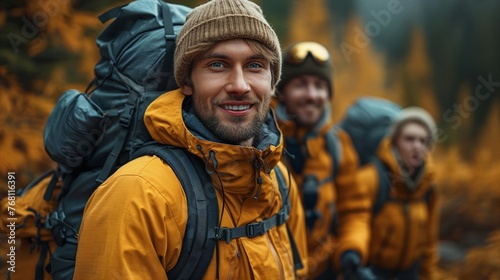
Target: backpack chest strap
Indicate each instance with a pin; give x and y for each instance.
(258, 228)
(252, 229)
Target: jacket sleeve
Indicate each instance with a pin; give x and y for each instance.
(430, 257)
(353, 205)
(296, 224)
(129, 231)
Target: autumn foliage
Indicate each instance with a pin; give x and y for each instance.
(35, 70)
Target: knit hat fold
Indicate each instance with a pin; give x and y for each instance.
(414, 114)
(220, 20)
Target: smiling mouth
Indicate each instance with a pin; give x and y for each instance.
(236, 107)
(310, 105)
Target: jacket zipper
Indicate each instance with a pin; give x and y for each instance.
(276, 257)
(406, 211)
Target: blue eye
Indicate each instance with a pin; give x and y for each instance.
(216, 64)
(254, 65)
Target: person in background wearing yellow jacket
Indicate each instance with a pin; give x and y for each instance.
(400, 181)
(323, 161)
(227, 63)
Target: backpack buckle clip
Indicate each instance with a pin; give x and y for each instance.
(223, 233)
(126, 116)
(254, 229)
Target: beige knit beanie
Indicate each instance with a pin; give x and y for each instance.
(220, 20)
(414, 114)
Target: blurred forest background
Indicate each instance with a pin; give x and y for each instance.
(440, 55)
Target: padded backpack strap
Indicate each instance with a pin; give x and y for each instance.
(39, 268)
(197, 247)
(384, 183)
(297, 262)
(334, 148)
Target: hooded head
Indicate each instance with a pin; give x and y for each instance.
(306, 58)
(220, 20)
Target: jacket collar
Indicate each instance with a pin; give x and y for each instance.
(404, 185)
(170, 120)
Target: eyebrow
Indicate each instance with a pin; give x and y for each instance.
(223, 56)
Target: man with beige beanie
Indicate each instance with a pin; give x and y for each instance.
(227, 64)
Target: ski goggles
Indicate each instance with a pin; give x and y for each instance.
(298, 53)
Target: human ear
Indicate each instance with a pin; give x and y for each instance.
(187, 90)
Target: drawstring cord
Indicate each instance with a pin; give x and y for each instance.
(258, 164)
(211, 158)
(214, 165)
(211, 165)
(257, 167)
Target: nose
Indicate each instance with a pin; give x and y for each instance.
(421, 146)
(237, 83)
(311, 91)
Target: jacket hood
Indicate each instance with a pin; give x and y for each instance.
(170, 120)
(297, 138)
(405, 187)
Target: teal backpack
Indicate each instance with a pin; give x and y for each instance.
(367, 122)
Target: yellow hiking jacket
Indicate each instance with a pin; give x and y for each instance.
(405, 230)
(340, 196)
(134, 223)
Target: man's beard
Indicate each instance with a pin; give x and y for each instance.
(231, 134)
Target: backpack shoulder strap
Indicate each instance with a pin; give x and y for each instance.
(384, 185)
(197, 248)
(429, 195)
(311, 183)
(297, 262)
(199, 240)
(334, 148)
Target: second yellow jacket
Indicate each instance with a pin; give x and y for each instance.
(343, 206)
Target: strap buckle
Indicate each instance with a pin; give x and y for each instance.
(170, 37)
(126, 116)
(223, 233)
(255, 229)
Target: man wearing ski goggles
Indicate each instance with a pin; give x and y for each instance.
(324, 173)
